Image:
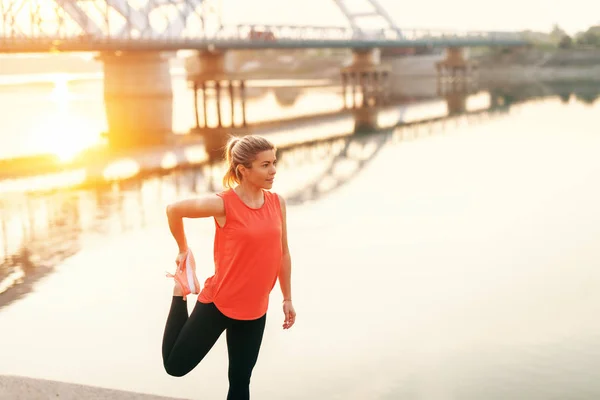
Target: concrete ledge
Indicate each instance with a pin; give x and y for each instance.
(21, 388)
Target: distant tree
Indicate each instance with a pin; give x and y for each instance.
(566, 42)
(591, 37)
(557, 34)
(565, 97)
(587, 98)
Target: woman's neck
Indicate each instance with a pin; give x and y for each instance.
(252, 195)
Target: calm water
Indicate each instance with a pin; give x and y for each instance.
(452, 260)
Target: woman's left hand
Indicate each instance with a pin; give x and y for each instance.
(289, 313)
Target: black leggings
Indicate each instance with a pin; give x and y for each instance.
(188, 339)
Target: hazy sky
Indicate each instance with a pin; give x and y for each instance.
(572, 15)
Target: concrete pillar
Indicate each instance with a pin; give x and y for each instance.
(366, 57)
(243, 100)
(138, 97)
(204, 101)
(344, 91)
(455, 56)
(210, 66)
(195, 87)
(363, 75)
(456, 102)
(222, 87)
(455, 66)
(366, 120)
(236, 94)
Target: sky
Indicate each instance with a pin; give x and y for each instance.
(540, 15)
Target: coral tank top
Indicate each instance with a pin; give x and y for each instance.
(247, 254)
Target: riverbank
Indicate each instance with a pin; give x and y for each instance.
(536, 65)
(21, 388)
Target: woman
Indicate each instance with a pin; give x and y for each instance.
(250, 253)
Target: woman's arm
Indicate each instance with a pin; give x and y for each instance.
(285, 272)
(209, 206)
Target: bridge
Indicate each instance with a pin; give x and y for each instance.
(241, 37)
(170, 25)
(135, 39)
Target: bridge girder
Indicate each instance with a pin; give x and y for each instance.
(114, 19)
(167, 25)
(355, 17)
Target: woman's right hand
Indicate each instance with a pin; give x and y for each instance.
(180, 257)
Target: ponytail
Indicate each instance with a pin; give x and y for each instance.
(231, 175)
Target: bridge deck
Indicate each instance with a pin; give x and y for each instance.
(23, 45)
(244, 37)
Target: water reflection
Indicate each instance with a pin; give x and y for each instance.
(41, 229)
(38, 232)
(586, 92)
(42, 224)
(329, 164)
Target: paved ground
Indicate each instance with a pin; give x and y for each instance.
(17, 388)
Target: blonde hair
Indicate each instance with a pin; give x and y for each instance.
(242, 151)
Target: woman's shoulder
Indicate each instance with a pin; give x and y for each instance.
(225, 193)
(276, 198)
(273, 195)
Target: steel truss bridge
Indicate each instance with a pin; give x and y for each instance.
(171, 25)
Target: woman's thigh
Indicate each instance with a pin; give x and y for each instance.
(199, 334)
(244, 339)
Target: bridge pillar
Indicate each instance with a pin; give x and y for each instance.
(219, 95)
(456, 103)
(455, 67)
(456, 92)
(365, 80)
(366, 119)
(138, 98)
(220, 103)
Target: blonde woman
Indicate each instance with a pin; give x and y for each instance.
(250, 254)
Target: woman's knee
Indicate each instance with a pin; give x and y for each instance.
(239, 378)
(175, 370)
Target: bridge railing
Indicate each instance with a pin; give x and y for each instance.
(254, 35)
(286, 32)
(114, 29)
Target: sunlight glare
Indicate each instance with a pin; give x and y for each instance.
(64, 134)
(46, 182)
(195, 154)
(121, 169)
(169, 160)
(60, 93)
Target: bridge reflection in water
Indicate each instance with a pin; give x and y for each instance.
(44, 220)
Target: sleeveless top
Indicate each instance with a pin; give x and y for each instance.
(247, 254)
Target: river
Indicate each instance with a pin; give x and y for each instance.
(449, 260)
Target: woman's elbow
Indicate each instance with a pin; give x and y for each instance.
(171, 210)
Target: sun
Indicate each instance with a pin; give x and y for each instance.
(65, 134)
(60, 93)
(69, 136)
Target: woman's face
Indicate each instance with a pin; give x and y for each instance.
(263, 170)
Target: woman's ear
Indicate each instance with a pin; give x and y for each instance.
(242, 170)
